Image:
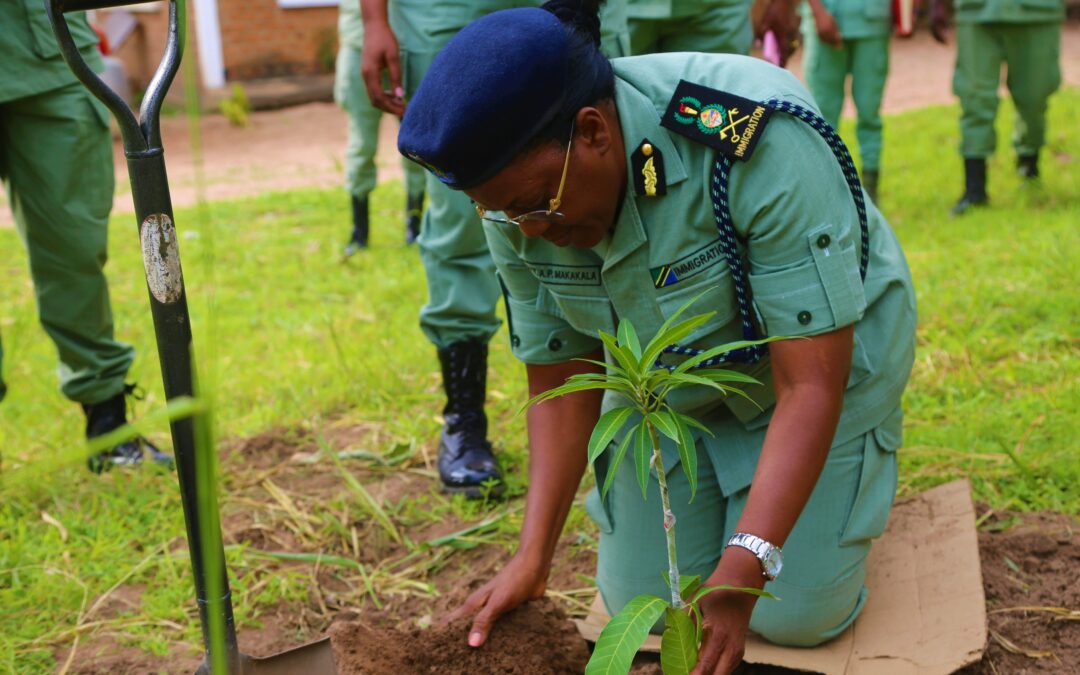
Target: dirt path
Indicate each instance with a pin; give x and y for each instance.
(304, 146)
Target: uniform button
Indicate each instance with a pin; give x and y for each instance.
(823, 241)
(804, 317)
(515, 341)
(554, 344)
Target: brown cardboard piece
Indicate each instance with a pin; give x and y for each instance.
(925, 614)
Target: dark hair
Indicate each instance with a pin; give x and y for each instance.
(589, 78)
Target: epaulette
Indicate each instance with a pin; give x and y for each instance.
(731, 124)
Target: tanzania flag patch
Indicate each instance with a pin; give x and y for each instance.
(731, 124)
(687, 266)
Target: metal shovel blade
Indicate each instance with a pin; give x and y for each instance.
(314, 658)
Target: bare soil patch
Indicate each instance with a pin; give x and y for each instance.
(1028, 561)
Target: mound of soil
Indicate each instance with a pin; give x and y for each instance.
(535, 639)
(1030, 573)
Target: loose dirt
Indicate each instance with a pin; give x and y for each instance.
(304, 146)
(1028, 561)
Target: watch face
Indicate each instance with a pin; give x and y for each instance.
(773, 563)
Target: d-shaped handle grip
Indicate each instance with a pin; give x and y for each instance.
(142, 134)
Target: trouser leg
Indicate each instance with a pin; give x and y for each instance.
(724, 29)
(869, 70)
(979, 53)
(644, 36)
(363, 126)
(1033, 55)
(58, 169)
(826, 69)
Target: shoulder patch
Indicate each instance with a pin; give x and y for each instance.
(647, 165)
(731, 124)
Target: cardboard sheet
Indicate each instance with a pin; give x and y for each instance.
(926, 612)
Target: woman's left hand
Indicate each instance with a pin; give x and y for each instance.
(726, 614)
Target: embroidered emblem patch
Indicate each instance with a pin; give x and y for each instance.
(687, 266)
(647, 166)
(731, 124)
(565, 275)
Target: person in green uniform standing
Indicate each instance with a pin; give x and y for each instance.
(719, 26)
(850, 37)
(1025, 35)
(620, 190)
(459, 318)
(363, 135)
(57, 167)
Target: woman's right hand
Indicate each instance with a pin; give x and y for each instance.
(518, 582)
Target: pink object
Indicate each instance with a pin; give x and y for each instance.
(770, 49)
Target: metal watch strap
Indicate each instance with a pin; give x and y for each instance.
(756, 545)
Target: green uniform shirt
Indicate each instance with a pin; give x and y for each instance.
(1009, 11)
(30, 61)
(795, 218)
(855, 18)
(671, 9)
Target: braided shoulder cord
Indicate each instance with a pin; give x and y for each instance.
(728, 242)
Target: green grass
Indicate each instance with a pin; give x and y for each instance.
(295, 338)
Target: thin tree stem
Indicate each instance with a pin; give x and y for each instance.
(669, 518)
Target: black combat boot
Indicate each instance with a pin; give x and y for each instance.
(1028, 166)
(359, 237)
(101, 418)
(414, 208)
(870, 178)
(974, 186)
(466, 460)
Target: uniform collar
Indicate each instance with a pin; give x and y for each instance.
(640, 121)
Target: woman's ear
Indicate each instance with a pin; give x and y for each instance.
(594, 129)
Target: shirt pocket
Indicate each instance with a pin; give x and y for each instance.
(41, 32)
(539, 332)
(821, 293)
(587, 313)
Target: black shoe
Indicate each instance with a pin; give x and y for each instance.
(1028, 166)
(414, 208)
(870, 179)
(359, 237)
(101, 418)
(466, 461)
(974, 187)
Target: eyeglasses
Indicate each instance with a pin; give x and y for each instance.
(551, 215)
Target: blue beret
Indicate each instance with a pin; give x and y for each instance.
(491, 89)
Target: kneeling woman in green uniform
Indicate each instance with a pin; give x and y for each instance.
(620, 190)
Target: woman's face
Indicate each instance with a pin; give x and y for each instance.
(595, 182)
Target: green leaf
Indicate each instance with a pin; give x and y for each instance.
(565, 389)
(723, 349)
(605, 430)
(672, 336)
(663, 422)
(688, 584)
(623, 356)
(624, 635)
(724, 587)
(642, 453)
(678, 646)
(690, 421)
(628, 338)
(616, 460)
(687, 452)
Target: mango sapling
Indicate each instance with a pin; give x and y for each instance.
(637, 374)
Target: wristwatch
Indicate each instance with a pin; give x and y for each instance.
(770, 557)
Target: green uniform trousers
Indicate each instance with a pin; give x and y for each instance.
(57, 166)
(821, 587)
(363, 131)
(1032, 53)
(723, 29)
(826, 69)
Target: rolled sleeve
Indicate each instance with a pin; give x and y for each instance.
(794, 209)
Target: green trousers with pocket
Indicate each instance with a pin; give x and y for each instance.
(57, 167)
(826, 69)
(820, 589)
(1031, 53)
